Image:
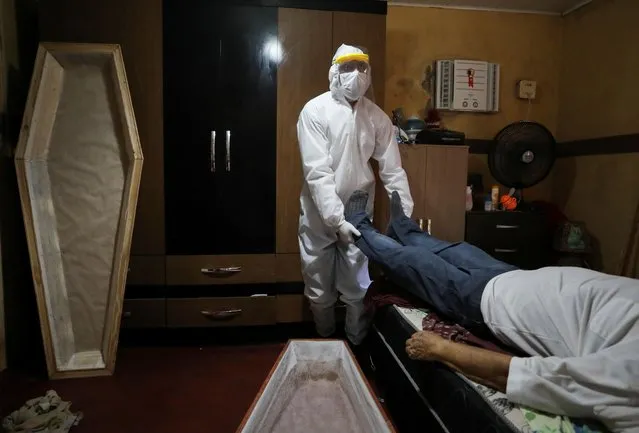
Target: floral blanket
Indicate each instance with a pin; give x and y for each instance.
(546, 423)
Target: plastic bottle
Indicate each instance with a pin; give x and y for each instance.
(469, 198)
(488, 204)
(494, 194)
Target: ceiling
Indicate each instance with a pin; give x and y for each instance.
(557, 7)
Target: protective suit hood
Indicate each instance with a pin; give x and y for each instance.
(350, 86)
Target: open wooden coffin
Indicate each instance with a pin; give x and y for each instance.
(79, 163)
(315, 387)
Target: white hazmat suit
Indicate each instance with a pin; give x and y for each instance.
(339, 132)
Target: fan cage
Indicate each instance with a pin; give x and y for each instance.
(528, 136)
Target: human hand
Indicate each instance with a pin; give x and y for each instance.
(424, 346)
(346, 231)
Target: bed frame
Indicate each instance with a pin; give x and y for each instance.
(79, 163)
(425, 397)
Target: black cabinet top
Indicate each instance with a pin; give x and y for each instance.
(362, 6)
(498, 213)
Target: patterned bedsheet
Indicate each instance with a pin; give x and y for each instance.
(522, 419)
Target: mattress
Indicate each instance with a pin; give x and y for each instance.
(456, 403)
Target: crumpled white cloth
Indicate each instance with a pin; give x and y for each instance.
(46, 414)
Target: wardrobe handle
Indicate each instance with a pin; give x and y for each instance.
(505, 250)
(505, 226)
(212, 151)
(221, 315)
(221, 272)
(429, 222)
(228, 150)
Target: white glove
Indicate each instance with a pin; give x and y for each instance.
(346, 231)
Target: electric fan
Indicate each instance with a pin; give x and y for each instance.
(521, 155)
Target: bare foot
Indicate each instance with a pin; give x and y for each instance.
(424, 346)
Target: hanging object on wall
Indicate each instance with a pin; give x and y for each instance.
(466, 85)
(79, 163)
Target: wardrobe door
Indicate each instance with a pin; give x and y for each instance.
(444, 193)
(306, 38)
(437, 177)
(191, 49)
(250, 53)
(119, 22)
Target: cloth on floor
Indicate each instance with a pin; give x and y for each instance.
(46, 414)
(383, 293)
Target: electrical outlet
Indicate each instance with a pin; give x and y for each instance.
(527, 89)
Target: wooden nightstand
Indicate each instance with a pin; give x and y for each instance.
(522, 239)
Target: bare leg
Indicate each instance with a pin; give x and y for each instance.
(480, 365)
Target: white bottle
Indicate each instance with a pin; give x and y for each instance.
(469, 198)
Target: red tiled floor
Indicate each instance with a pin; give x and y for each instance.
(166, 389)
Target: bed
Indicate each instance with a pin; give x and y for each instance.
(425, 396)
(429, 396)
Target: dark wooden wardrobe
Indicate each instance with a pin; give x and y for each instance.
(217, 87)
(220, 128)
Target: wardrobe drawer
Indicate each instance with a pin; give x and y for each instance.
(144, 313)
(518, 238)
(504, 230)
(214, 312)
(146, 271)
(207, 270)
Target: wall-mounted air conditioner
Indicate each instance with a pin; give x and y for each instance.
(467, 85)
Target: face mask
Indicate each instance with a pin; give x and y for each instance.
(354, 84)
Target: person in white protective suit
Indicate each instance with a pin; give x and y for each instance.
(339, 131)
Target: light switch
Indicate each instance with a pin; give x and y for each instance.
(527, 89)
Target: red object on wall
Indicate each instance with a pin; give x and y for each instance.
(471, 78)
